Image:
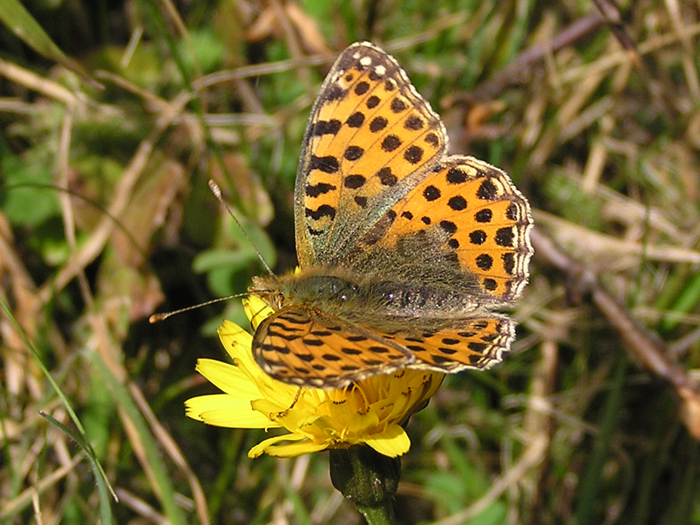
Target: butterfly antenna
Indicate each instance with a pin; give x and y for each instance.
(214, 187)
(156, 318)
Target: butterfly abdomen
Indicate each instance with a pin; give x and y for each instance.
(372, 299)
(409, 300)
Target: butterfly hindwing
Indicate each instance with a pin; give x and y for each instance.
(305, 347)
(300, 346)
(469, 212)
(478, 343)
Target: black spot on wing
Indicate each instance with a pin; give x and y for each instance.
(477, 237)
(354, 181)
(490, 284)
(484, 215)
(319, 189)
(432, 139)
(372, 102)
(456, 176)
(378, 124)
(505, 237)
(386, 177)
(413, 154)
(448, 226)
(398, 105)
(323, 211)
(361, 88)
(457, 203)
(353, 153)
(484, 261)
(326, 127)
(391, 143)
(487, 191)
(327, 164)
(361, 201)
(508, 262)
(414, 123)
(431, 193)
(355, 120)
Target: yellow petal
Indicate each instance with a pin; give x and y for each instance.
(228, 378)
(259, 449)
(222, 410)
(282, 394)
(360, 422)
(270, 447)
(280, 412)
(295, 449)
(256, 310)
(392, 442)
(236, 341)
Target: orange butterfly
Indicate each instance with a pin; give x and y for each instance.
(403, 251)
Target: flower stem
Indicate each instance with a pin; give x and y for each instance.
(368, 480)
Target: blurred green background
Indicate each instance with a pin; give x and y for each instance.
(109, 136)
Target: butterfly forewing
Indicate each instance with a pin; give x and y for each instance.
(370, 139)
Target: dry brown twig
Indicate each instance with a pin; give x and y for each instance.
(644, 346)
(520, 70)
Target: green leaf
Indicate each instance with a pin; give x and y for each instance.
(27, 198)
(22, 24)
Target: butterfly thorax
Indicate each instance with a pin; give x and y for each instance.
(313, 289)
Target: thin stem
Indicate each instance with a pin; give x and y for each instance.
(368, 480)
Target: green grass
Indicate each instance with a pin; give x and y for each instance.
(105, 217)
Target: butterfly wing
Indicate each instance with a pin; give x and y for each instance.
(370, 139)
(375, 192)
(301, 346)
(466, 222)
(305, 347)
(477, 343)
(436, 241)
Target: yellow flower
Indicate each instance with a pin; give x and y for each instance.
(370, 411)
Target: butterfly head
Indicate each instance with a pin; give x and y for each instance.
(269, 289)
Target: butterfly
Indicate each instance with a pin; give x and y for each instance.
(404, 252)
